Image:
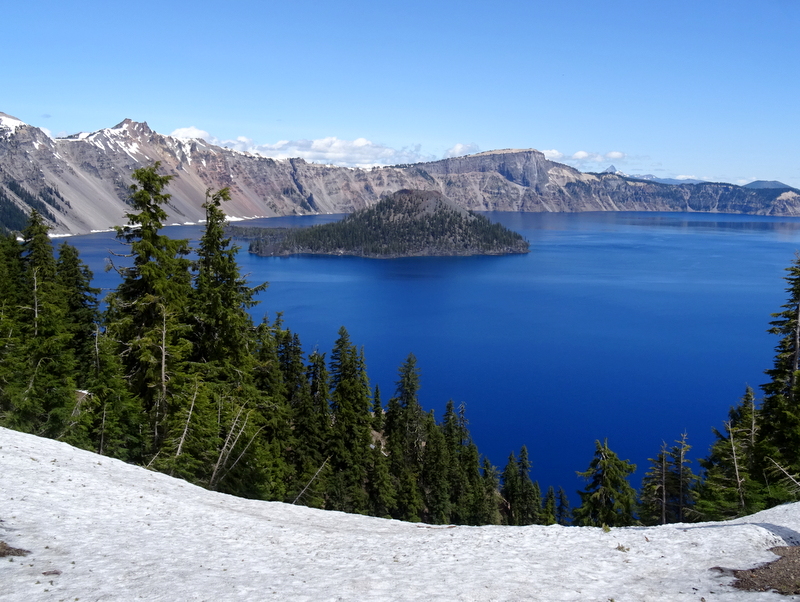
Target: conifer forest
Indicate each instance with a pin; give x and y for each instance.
(174, 375)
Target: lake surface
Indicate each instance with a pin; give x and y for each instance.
(634, 327)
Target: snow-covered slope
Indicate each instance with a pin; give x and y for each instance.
(119, 532)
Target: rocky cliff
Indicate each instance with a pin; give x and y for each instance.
(81, 182)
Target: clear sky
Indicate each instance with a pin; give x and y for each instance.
(701, 88)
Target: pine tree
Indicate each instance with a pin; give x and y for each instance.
(82, 314)
(653, 502)
(490, 500)
(669, 489)
(435, 486)
(351, 433)
(40, 393)
(523, 497)
(275, 415)
(11, 307)
(146, 313)
(222, 327)
(549, 512)
(119, 419)
(563, 510)
(405, 439)
(312, 425)
(779, 445)
(729, 489)
(608, 499)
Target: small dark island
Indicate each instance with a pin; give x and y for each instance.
(408, 223)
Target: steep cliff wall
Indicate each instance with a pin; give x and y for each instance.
(91, 174)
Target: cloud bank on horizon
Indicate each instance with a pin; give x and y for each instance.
(365, 153)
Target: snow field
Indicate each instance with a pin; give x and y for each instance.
(121, 532)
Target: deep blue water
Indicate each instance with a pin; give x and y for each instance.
(630, 326)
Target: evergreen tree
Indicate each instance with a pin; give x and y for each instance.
(435, 486)
(549, 512)
(82, 314)
(669, 489)
(275, 414)
(312, 425)
(222, 326)
(146, 313)
(377, 411)
(11, 306)
(405, 437)
(119, 421)
(563, 510)
(779, 445)
(469, 502)
(729, 489)
(40, 395)
(655, 486)
(608, 499)
(490, 501)
(523, 497)
(351, 433)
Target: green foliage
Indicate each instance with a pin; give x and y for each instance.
(12, 218)
(146, 313)
(730, 488)
(351, 433)
(175, 376)
(669, 492)
(523, 497)
(37, 204)
(608, 499)
(409, 222)
(563, 510)
(39, 393)
(780, 443)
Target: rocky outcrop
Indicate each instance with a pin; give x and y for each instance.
(88, 175)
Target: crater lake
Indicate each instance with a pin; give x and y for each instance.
(634, 327)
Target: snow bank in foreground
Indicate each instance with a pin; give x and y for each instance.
(119, 532)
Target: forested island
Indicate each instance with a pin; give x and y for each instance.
(404, 224)
(174, 375)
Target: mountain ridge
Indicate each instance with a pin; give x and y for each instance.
(90, 174)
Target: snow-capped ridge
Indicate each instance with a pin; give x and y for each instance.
(7, 122)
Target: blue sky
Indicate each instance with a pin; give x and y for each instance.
(699, 88)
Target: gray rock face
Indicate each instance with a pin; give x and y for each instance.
(92, 173)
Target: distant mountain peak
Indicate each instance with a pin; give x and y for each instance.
(770, 184)
(10, 123)
(610, 169)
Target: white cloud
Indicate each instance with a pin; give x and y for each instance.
(331, 150)
(553, 155)
(459, 150)
(586, 160)
(191, 133)
(687, 178)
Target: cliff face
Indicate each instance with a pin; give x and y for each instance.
(90, 174)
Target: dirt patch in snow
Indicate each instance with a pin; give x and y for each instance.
(7, 550)
(782, 575)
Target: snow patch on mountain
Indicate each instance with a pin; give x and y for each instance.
(10, 123)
